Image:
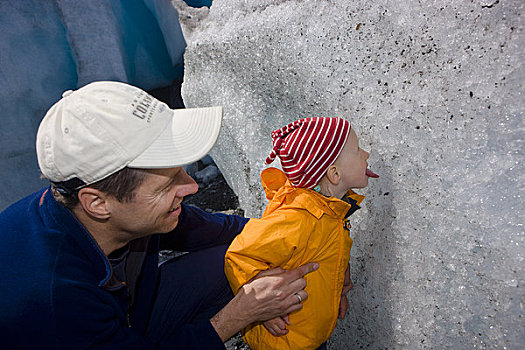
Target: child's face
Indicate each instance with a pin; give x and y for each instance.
(352, 164)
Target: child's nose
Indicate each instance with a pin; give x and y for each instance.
(367, 155)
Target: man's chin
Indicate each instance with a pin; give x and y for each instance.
(170, 228)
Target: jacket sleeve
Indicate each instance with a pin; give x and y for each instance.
(264, 244)
(198, 229)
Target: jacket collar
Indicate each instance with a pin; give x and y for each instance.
(277, 188)
(59, 217)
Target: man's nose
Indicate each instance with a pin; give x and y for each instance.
(189, 186)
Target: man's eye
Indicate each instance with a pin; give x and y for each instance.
(165, 189)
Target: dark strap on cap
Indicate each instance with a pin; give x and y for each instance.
(69, 186)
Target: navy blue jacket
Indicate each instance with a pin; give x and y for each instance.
(52, 275)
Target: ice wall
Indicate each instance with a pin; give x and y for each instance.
(435, 90)
(47, 47)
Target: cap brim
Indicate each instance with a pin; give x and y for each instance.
(188, 137)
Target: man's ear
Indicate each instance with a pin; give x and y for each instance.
(333, 175)
(94, 203)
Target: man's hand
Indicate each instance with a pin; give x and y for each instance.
(272, 292)
(347, 286)
(277, 326)
(269, 295)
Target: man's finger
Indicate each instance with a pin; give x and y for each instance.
(294, 307)
(303, 270)
(295, 302)
(270, 272)
(300, 296)
(286, 319)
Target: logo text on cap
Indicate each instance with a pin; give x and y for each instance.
(144, 106)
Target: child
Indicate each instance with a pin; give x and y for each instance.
(305, 221)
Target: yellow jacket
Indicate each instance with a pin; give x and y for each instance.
(297, 227)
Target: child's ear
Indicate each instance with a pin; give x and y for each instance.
(94, 203)
(333, 175)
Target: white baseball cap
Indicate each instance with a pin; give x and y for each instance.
(105, 126)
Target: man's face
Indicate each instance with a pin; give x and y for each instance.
(352, 163)
(156, 205)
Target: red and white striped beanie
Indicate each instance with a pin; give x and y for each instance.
(307, 147)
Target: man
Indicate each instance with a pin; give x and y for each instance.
(79, 260)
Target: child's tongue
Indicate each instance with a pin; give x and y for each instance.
(370, 173)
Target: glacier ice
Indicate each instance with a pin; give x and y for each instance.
(47, 47)
(435, 92)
